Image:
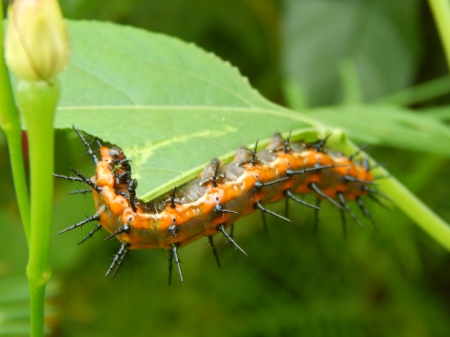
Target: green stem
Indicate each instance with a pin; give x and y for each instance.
(431, 223)
(10, 123)
(441, 13)
(37, 101)
(418, 211)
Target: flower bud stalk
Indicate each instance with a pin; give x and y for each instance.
(36, 50)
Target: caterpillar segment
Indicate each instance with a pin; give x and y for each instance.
(220, 195)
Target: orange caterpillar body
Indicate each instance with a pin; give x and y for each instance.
(220, 195)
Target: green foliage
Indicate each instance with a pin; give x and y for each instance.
(321, 35)
(172, 119)
(173, 98)
(389, 125)
(180, 102)
(210, 104)
(14, 305)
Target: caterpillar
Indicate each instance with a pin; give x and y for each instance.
(220, 195)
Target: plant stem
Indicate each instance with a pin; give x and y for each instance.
(37, 101)
(10, 123)
(441, 13)
(417, 211)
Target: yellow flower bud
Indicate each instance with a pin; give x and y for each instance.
(37, 43)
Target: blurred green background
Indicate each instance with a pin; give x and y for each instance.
(307, 53)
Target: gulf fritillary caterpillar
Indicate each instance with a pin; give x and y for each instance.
(219, 196)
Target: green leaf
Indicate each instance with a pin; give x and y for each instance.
(171, 106)
(439, 112)
(420, 93)
(389, 125)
